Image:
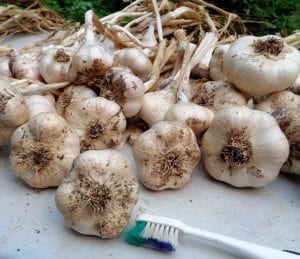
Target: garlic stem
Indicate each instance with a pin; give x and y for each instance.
(42, 88)
(158, 20)
(178, 12)
(137, 20)
(89, 32)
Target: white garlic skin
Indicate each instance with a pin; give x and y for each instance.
(216, 62)
(166, 155)
(37, 104)
(289, 122)
(156, 104)
(295, 87)
(217, 95)
(137, 61)
(260, 73)
(25, 66)
(89, 63)
(54, 64)
(72, 96)
(100, 123)
(194, 116)
(244, 147)
(97, 196)
(126, 89)
(283, 99)
(13, 110)
(4, 67)
(43, 150)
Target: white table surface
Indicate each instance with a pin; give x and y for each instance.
(32, 227)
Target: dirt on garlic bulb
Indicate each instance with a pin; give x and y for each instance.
(217, 95)
(100, 123)
(244, 147)
(123, 87)
(98, 195)
(43, 150)
(283, 99)
(289, 122)
(166, 155)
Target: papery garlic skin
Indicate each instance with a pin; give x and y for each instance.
(43, 150)
(283, 99)
(194, 116)
(295, 87)
(126, 89)
(137, 61)
(37, 104)
(100, 123)
(217, 95)
(97, 196)
(4, 65)
(156, 104)
(13, 110)
(166, 155)
(216, 62)
(25, 66)
(289, 122)
(72, 96)
(261, 65)
(244, 147)
(5, 134)
(54, 64)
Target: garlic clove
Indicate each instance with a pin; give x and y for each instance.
(216, 62)
(72, 96)
(156, 104)
(196, 117)
(261, 65)
(283, 99)
(244, 147)
(166, 155)
(100, 123)
(43, 150)
(54, 64)
(137, 61)
(98, 195)
(217, 95)
(289, 122)
(125, 89)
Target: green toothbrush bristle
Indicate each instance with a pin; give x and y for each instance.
(134, 236)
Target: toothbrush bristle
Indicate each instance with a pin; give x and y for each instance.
(157, 236)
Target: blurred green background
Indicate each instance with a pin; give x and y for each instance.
(261, 16)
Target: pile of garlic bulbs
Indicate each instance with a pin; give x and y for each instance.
(94, 95)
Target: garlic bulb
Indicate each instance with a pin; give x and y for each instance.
(156, 104)
(216, 62)
(100, 123)
(5, 134)
(283, 99)
(217, 95)
(196, 117)
(25, 66)
(166, 155)
(54, 64)
(289, 122)
(98, 195)
(137, 61)
(13, 111)
(244, 147)
(37, 104)
(126, 89)
(261, 65)
(4, 64)
(91, 60)
(295, 87)
(43, 150)
(72, 96)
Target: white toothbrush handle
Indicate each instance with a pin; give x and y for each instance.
(246, 249)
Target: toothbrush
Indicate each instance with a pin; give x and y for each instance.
(162, 233)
